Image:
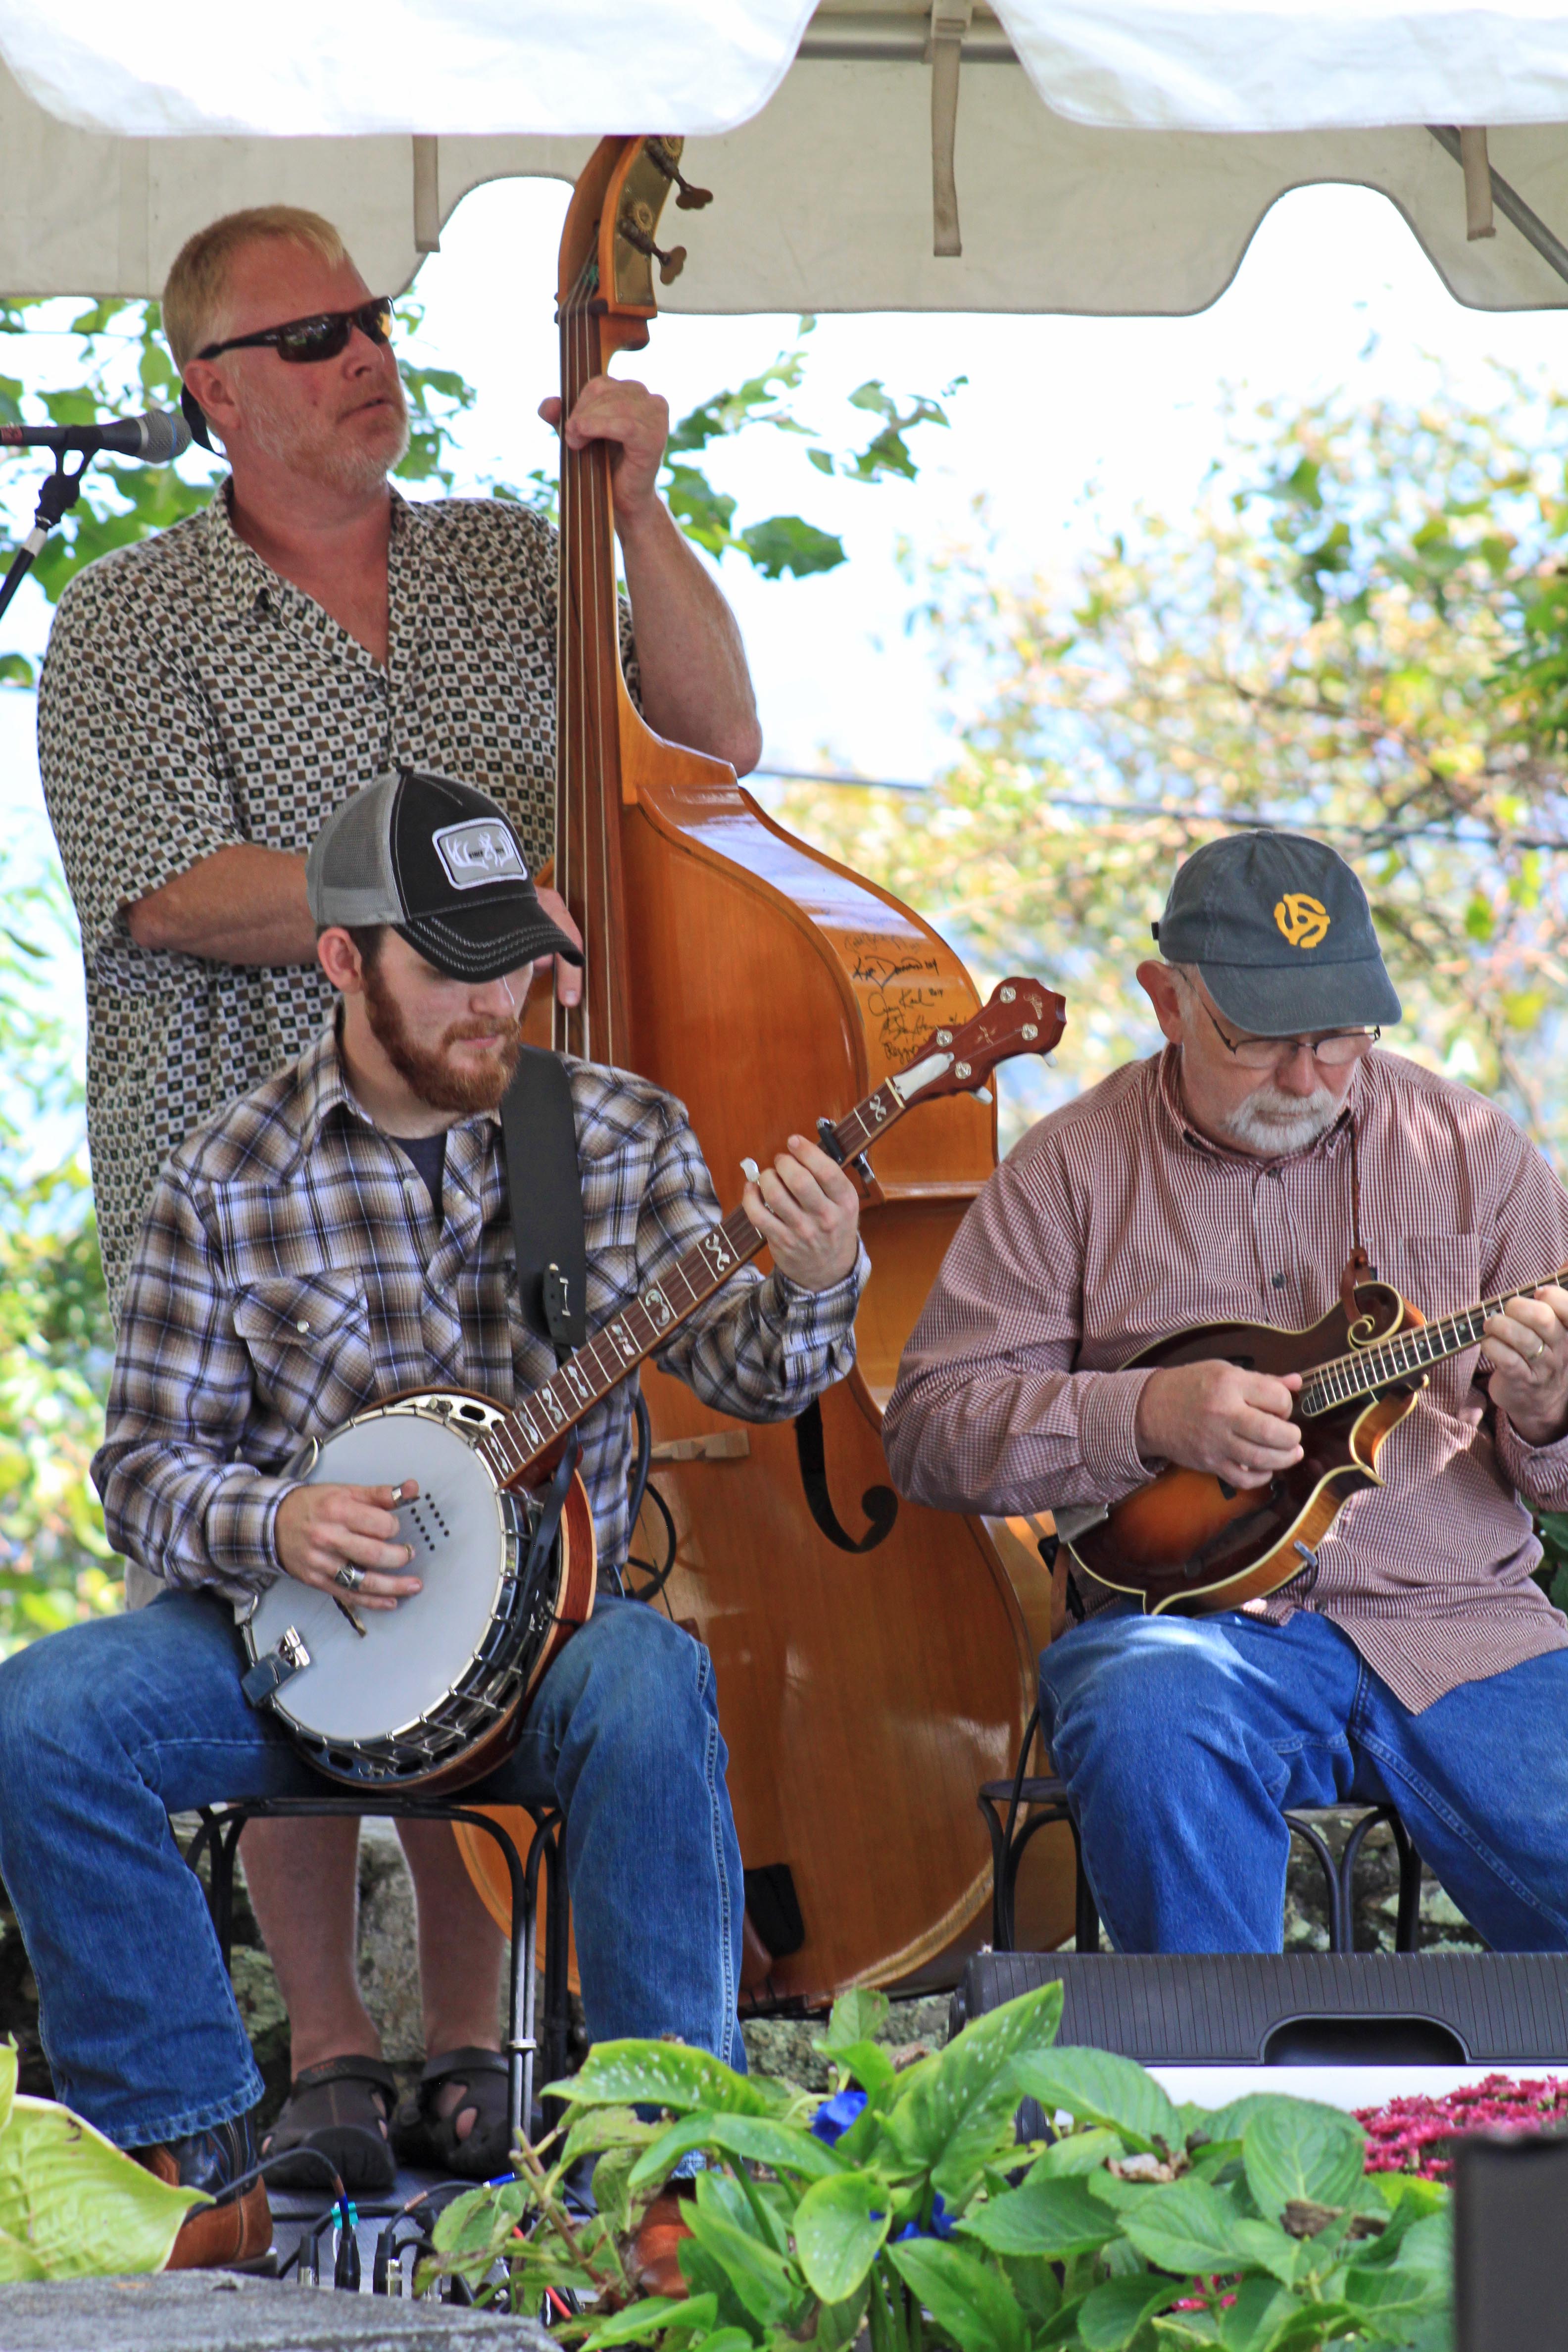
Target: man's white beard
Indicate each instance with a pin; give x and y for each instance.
(1276, 1123)
(336, 465)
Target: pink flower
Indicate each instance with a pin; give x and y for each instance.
(1416, 2135)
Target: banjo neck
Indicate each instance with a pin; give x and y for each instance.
(1022, 1016)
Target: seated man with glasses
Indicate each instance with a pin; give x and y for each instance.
(1231, 1177)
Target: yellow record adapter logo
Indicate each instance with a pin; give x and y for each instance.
(1304, 922)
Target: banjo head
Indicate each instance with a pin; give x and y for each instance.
(390, 1682)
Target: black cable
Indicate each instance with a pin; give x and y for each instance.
(658, 1576)
(243, 2181)
(644, 1458)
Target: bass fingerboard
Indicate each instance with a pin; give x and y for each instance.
(1364, 1371)
(517, 1444)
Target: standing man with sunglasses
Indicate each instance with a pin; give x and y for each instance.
(1229, 1179)
(210, 697)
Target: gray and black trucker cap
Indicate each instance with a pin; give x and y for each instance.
(440, 863)
(1279, 928)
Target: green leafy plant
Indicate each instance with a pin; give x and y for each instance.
(784, 543)
(903, 2205)
(1330, 638)
(71, 2204)
(56, 1338)
(121, 363)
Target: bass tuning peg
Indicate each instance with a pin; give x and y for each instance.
(635, 225)
(688, 199)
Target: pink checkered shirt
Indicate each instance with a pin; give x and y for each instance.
(1113, 1225)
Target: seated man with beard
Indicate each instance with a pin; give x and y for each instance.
(1229, 1179)
(339, 1235)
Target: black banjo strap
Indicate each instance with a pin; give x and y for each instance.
(544, 1190)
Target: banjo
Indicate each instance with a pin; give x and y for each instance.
(430, 1696)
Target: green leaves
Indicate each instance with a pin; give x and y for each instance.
(839, 2225)
(954, 2110)
(1293, 2149)
(784, 2147)
(665, 2074)
(1113, 2314)
(1186, 2227)
(797, 2245)
(857, 2016)
(1098, 2087)
(760, 2278)
(963, 2295)
(72, 2206)
(1057, 2218)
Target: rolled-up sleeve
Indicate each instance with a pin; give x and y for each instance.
(989, 1412)
(133, 773)
(1528, 1223)
(179, 1494)
(761, 1348)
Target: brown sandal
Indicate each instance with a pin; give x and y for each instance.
(342, 2110)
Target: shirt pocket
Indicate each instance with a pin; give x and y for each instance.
(307, 1337)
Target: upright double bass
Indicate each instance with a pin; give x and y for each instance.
(867, 1684)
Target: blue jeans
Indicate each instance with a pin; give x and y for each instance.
(1182, 1740)
(107, 1729)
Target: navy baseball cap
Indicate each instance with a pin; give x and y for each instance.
(439, 861)
(1279, 928)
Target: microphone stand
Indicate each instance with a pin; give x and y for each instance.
(61, 492)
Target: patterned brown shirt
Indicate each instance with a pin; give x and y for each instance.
(194, 699)
(1113, 1225)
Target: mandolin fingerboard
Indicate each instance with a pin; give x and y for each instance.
(1365, 1371)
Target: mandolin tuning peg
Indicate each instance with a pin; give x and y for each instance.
(690, 199)
(671, 264)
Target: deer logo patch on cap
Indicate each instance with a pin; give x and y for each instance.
(1304, 922)
(479, 853)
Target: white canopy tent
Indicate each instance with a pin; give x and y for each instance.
(1103, 156)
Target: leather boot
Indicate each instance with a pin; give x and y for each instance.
(655, 2264)
(226, 2234)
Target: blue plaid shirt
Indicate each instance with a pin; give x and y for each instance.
(291, 1270)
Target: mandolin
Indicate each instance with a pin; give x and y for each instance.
(1188, 1542)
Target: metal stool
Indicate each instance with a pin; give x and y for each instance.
(218, 1837)
(1044, 1799)
(1339, 1876)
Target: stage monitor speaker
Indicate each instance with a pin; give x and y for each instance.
(1301, 2008)
(1510, 2258)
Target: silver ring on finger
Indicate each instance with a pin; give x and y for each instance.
(349, 1577)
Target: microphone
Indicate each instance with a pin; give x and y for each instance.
(157, 438)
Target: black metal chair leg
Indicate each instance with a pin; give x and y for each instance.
(557, 1955)
(1339, 1938)
(1086, 1911)
(1408, 1921)
(1001, 1933)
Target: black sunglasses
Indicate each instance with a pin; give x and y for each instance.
(300, 342)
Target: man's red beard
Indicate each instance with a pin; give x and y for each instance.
(435, 1076)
